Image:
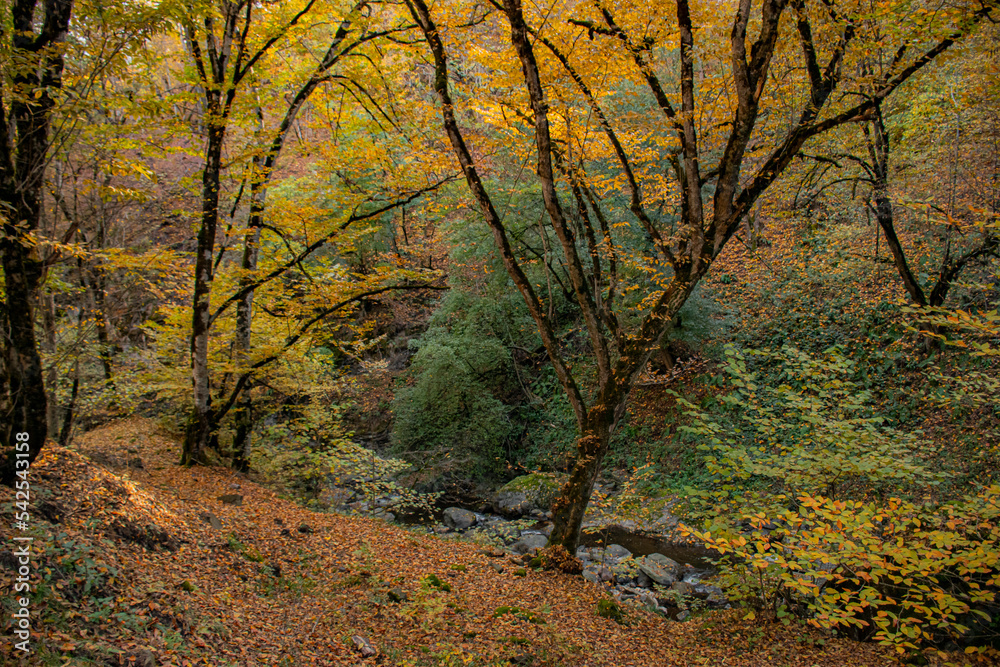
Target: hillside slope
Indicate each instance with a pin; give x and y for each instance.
(139, 561)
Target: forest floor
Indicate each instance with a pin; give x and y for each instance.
(130, 570)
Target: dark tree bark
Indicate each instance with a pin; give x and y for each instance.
(619, 357)
(877, 168)
(37, 65)
(221, 65)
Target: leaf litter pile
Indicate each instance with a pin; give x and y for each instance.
(138, 561)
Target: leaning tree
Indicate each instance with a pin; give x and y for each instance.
(656, 127)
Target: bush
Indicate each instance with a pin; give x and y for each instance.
(797, 507)
(462, 373)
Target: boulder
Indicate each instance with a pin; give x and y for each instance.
(529, 543)
(598, 573)
(527, 493)
(458, 518)
(659, 568)
(683, 588)
(512, 503)
(617, 552)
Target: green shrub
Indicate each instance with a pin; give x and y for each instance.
(463, 373)
(799, 511)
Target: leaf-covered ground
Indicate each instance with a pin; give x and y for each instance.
(133, 572)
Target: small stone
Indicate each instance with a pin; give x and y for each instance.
(142, 658)
(305, 528)
(211, 519)
(363, 646)
(234, 486)
(231, 499)
(279, 522)
(285, 532)
(498, 567)
(397, 594)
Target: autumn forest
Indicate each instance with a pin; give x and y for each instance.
(440, 333)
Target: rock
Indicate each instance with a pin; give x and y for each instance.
(279, 522)
(363, 646)
(642, 580)
(523, 494)
(397, 594)
(305, 528)
(529, 543)
(598, 573)
(336, 496)
(683, 616)
(546, 529)
(659, 568)
(211, 519)
(142, 658)
(617, 552)
(231, 499)
(498, 567)
(512, 503)
(458, 518)
(647, 599)
(683, 588)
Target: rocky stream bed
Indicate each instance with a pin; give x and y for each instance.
(639, 562)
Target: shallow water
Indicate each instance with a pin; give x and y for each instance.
(643, 545)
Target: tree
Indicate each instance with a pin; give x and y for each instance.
(220, 71)
(32, 76)
(226, 78)
(719, 122)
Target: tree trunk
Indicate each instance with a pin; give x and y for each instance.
(570, 507)
(24, 145)
(27, 404)
(201, 423)
(67, 425)
(244, 324)
(51, 370)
